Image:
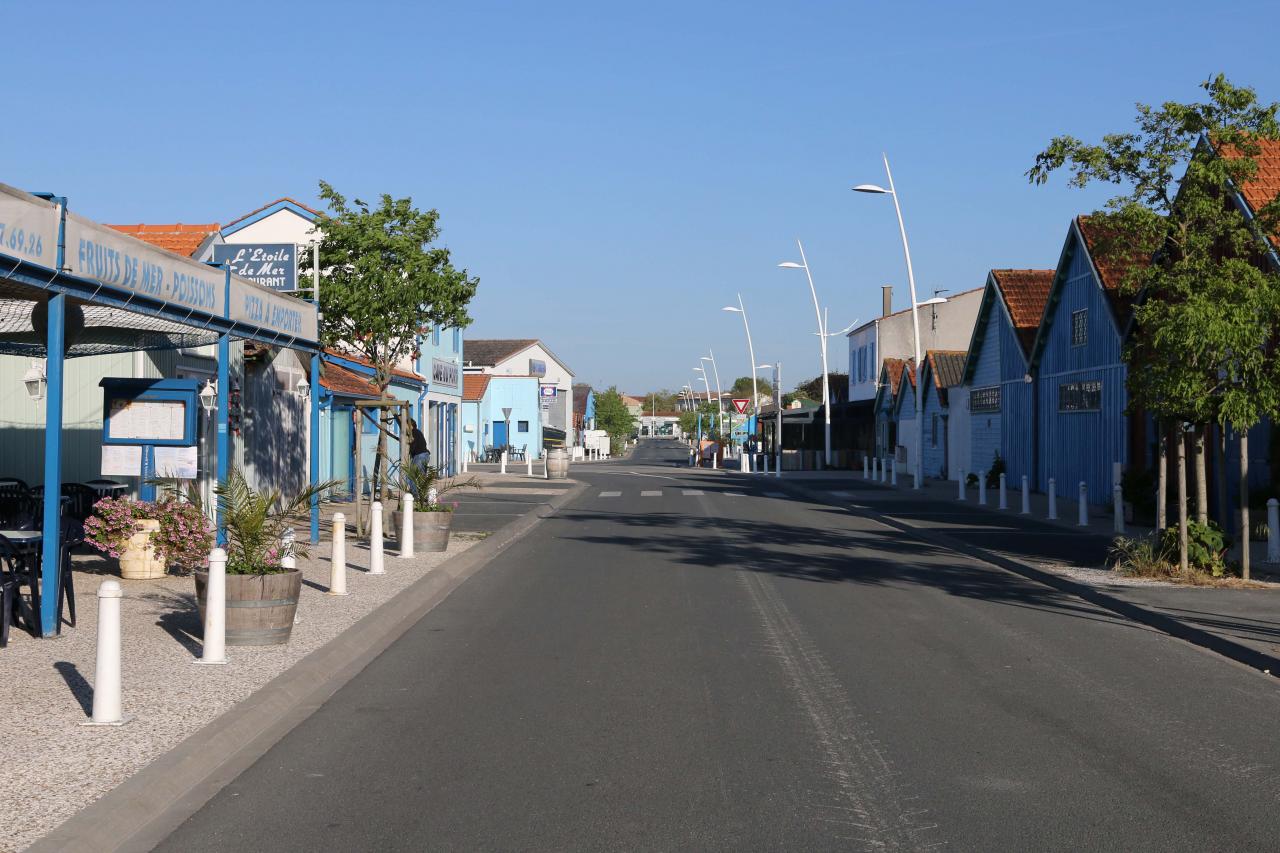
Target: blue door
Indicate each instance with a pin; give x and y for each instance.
(499, 434)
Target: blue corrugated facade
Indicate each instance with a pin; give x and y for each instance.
(934, 425)
(1080, 379)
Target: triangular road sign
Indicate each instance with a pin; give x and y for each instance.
(741, 406)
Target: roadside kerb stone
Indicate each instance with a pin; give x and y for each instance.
(142, 789)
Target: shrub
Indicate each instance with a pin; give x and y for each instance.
(993, 473)
(1206, 546)
(1143, 558)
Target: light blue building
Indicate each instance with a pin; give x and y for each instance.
(887, 388)
(997, 372)
(484, 423)
(942, 371)
(440, 361)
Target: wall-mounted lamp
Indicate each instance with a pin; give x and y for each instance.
(35, 381)
(302, 389)
(209, 396)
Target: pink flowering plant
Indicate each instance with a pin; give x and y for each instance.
(183, 540)
(113, 522)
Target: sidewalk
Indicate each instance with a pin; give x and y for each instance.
(1243, 624)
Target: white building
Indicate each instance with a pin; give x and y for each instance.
(945, 326)
(528, 357)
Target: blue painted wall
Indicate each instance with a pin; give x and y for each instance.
(1081, 446)
(935, 453)
(986, 427)
(520, 393)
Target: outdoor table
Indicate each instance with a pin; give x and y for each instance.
(107, 488)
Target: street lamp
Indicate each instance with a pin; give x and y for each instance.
(35, 381)
(208, 396)
(751, 350)
(719, 394)
(703, 377)
(777, 438)
(822, 336)
(915, 312)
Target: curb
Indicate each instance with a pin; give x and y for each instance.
(1230, 649)
(142, 811)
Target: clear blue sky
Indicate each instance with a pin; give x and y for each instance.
(614, 173)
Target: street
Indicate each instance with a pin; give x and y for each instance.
(686, 659)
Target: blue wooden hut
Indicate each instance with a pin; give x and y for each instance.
(904, 416)
(1081, 426)
(885, 404)
(943, 370)
(997, 371)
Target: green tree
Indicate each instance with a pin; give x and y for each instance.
(1208, 315)
(664, 400)
(612, 415)
(385, 284)
(742, 387)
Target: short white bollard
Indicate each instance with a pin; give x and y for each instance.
(528, 459)
(406, 526)
(893, 471)
(1082, 519)
(884, 470)
(1117, 507)
(982, 489)
(744, 462)
(375, 539)
(464, 463)
(766, 464)
(214, 643)
(714, 460)
(961, 484)
(693, 458)
(866, 469)
(1004, 494)
(503, 464)
(338, 562)
(107, 710)
(1053, 499)
(1026, 496)
(1273, 531)
(288, 560)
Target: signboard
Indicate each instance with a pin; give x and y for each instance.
(270, 265)
(103, 254)
(537, 367)
(547, 390)
(28, 227)
(444, 372)
(276, 312)
(741, 406)
(149, 411)
(121, 460)
(178, 463)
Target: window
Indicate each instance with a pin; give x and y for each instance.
(457, 339)
(435, 336)
(933, 430)
(1080, 327)
(522, 426)
(985, 399)
(1080, 396)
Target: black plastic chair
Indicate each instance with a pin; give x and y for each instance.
(17, 505)
(10, 561)
(25, 571)
(83, 497)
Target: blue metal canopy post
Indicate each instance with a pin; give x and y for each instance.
(315, 446)
(51, 563)
(224, 442)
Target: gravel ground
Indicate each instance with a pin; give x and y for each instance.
(1106, 578)
(56, 766)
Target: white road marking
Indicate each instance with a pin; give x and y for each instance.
(733, 494)
(841, 494)
(692, 492)
(651, 494)
(775, 494)
(611, 494)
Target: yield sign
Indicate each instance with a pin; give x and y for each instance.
(741, 406)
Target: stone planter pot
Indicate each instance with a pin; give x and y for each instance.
(557, 464)
(139, 560)
(260, 608)
(430, 529)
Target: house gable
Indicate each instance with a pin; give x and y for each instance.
(1078, 287)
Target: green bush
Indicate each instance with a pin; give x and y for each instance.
(1206, 546)
(993, 473)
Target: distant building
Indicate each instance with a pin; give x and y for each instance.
(943, 456)
(530, 358)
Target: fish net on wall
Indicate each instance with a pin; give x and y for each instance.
(90, 329)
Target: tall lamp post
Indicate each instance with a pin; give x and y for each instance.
(702, 374)
(917, 468)
(777, 398)
(822, 336)
(751, 350)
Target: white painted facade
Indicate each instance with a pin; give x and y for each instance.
(557, 413)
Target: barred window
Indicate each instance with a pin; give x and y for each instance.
(985, 399)
(1080, 396)
(933, 429)
(1080, 327)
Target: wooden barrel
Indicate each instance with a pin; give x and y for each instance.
(430, 529)
(557, 464)
(260, 608)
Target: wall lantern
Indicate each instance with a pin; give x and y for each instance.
(209, 396)
(302, 389)
(35, 381)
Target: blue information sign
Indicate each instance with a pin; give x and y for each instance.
(270, 265)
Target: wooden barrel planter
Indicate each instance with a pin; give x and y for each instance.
(430, 529)
(557, 464)
(260, 608)
(139, 560)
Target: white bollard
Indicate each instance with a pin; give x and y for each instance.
(1117, 507)
(503, 468)
(464, 462)
(766, 464)
(338, 562)
(960, 486)
(1053, 499)
(287, 558)
(107, 710)
(1082, 519)
(214, 643)
(1026, 496)
(406, 525)
(1004, 494)
(528, 458)
(893, 471)
(1273, 531)
(375, 539)
(866, 469)
(713, 460)
(884, 470)
(982, 489)
(744, 464)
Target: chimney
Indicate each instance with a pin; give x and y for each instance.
(886, 300)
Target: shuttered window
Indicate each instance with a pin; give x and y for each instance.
(1080, 396)
(985, 399)
(1080, 327)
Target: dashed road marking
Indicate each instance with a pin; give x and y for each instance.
(692, 492)
(611, 494)
(734, 494)
(651, 493)
(842, 494)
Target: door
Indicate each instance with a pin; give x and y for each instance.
(499, 434)
(341, 448)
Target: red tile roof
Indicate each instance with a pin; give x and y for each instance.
(1112, 267)
(177, 238)
(473, 386)
(359, 359)
(894, 367)
(1025, 292)
(1265, 186)
(344, 381)
(946, 366)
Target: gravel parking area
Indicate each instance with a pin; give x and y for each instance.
(57, 766)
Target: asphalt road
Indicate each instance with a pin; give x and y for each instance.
(687, 660)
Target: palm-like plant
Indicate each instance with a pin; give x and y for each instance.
(255, 523)
(422, 479)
